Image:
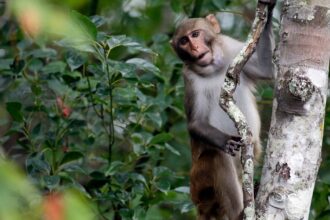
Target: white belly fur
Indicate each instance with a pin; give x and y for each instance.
(207, 91)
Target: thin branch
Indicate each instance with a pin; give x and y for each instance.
(227, 103)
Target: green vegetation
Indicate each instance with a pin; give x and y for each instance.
(91, 109)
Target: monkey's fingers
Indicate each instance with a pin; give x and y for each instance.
(235, 144)
(230, 149)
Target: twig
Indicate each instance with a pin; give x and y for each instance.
(227, 103)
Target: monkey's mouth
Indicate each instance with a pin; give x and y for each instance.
(203, 59)
(202, 55)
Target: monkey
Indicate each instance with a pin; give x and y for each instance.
(215, 175)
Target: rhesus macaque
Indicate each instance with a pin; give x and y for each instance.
(216, 170)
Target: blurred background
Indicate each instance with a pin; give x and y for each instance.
(92, 124)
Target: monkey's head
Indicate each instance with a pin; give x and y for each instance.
(194, 38)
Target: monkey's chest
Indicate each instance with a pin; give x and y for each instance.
(207, 108)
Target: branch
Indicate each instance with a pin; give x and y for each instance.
(227, 103)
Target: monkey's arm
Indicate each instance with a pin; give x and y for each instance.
(213, 137)
(260, 65)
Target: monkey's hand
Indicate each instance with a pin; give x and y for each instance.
(271, 3)
(233, 144)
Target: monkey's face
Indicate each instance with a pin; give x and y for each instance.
(194, 47)
(194, 42)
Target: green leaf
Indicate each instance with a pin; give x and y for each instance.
(122, 40)
(182, 189)
(98, 20)
(172, 149)
(14, 109)
(37, 165)
(114, 167)
(78, 44)
(162, 172)
(51, 182)
(85, 24)
(116, 41)
(74, 59)
(35, 65)
(60, 88)
(163, 185)
(139, 178)
(187, 207)
(156, 118)
(160, 138)
(143, 65)
(5, 63)
(36, 89)
(71, 76)
(43, 53)
(54, 67)
(71, 156)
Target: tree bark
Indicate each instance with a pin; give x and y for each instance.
(293, 154)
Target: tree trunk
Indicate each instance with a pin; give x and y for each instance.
(293, 154)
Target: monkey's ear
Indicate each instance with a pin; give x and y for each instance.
(214, 22)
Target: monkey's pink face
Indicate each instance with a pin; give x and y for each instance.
(195, 45)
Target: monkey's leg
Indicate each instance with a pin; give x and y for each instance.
(215, 188)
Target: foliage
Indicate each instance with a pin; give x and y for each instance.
(91, 101)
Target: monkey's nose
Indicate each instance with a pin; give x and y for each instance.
(194, 47)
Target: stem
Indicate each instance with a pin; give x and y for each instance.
(106, 67)
(90, 92)
(227, 103)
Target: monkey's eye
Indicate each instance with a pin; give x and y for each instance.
(195, 34)
(183, 40)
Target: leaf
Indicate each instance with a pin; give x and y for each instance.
(98, 20)
(139, 177)
(85, 25)
(59, 88)
(78, 44)
(51, 182)
(162, 172)
(115, 41)
(122, 40)
(54, 67)
(160, 138)
(182, 189)
(144, 65)
(74, 59)
(14, 109)
(5, 63)
(127, 70)
(172, 149)
(35, 65)
(156, 118)
(163, 185)
(36, 130)
(36, 165)
(71, 76)
(71, 156)
(36, 89)
(187, 207)
(114, 167)
(43, 53)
